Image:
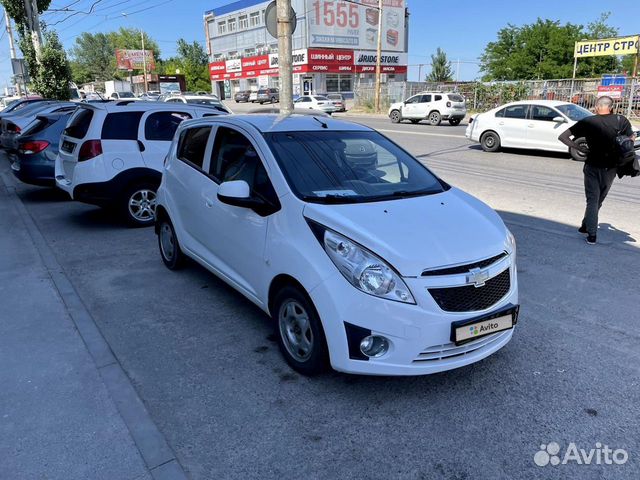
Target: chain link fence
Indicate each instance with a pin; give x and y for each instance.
(482, 96)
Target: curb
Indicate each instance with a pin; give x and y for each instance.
(158, 456)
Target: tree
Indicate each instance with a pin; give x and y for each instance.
(54, 73)
(544, 50)
(440, 68)
(193, 63)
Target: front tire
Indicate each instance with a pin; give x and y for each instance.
(170, 251)
(435, 118)
(490, 142)
(395, 116)
(138, 204)
(300, 334)
(454, 122)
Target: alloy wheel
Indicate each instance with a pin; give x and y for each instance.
(142, 205)
(295, 330)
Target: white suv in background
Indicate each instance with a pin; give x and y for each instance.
(431, 106)
(364, 258)
(111, 153)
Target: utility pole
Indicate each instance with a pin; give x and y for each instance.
(144, 63)
(33, 24)
(378, 58)
(285, 61)
(12, 47)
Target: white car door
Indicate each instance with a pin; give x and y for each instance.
(511, 125)
(304, 103)
(157, 129)
(410, 107)
(543, 131)
(423, 106)
(235, 236)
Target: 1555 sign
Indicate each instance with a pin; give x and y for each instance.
(341, 24)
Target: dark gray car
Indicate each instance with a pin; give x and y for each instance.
(34, 160)
(268, 95)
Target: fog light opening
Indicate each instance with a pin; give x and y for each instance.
(374, 346)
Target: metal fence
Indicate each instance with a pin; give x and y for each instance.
(481, 96)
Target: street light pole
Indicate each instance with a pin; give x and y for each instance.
(378, 58)
(285, 61)
(144, 63)
(12, 48)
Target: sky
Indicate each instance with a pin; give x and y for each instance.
(462, 29)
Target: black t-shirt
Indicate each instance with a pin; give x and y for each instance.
(601, 131)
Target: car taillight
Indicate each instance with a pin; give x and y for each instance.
(90, 149)
(29, 148)
(13, 128)
(449, 104)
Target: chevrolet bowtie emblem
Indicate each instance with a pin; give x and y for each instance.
(477, 277)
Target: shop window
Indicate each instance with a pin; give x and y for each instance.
(243, 22)
(345, 83)
(333, 84)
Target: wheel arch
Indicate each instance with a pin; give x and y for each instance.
(280, 281)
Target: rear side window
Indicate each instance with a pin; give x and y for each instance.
(79, 123)
(121, 126)
(438, 97)
(454, 97)
(163, 125)
(193, 143)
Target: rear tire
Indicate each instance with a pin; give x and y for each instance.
(490, 142)
(299, 330)
(576, 154)
(395, 116)
(170, 251)
(454, 121)
(435, 118)
(138, 204)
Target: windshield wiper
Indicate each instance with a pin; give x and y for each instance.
(334, 199)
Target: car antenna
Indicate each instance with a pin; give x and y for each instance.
(324, 125)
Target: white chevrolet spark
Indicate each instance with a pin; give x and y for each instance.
(365, 259)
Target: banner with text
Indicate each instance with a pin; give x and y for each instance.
(135, 59)
(607, 46)
(340, 24)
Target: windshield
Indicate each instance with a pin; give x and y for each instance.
(349, 167)
(574, 112)
(127, 95)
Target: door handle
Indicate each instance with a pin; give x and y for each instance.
(501, 123)
(531, 125)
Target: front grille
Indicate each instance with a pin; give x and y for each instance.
(450, 350)
(470, 298)
(464, 268)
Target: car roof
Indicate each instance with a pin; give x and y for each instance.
(271, 123)
(548, 103)
(134, 105)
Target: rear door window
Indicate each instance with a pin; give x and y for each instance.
(192, 146)
(78, 125)
(163, 125)
(515, 111)
(438, 97)
(121, 126)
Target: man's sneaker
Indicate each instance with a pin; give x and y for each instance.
(583, 229)
(591, 239)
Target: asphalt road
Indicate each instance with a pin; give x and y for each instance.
(205, 363)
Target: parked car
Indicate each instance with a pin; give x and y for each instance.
(431, 106)
(268, 95)
(123, 96)
(33, 160)
(27, 109)
(17, 103)
(111, 153)
(532, 124)
(321, 223)
(242, 96)
(149, 97)
(314, 102)
(338, 100)
(12, 126)
(253, 96)
(210, 100)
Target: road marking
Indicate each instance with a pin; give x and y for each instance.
(421, 133)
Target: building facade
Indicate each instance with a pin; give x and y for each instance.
(334, 45)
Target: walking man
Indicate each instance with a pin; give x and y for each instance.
(600, 132)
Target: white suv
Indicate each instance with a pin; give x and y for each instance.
(365, 259)
(111, 153)
(431, 106)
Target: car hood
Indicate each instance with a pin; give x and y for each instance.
(395, 106)
(415, 234)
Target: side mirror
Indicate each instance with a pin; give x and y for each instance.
(559, 119)
(238, 194)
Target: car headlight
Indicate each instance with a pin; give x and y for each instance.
(511, 242)
(362, 269)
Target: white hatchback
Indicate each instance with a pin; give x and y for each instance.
(319, 103)
(365, 259)
(111, 153)
(531, 124)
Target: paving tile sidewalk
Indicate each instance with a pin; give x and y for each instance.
(62, 414)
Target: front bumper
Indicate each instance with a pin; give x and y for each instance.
(419, 335)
